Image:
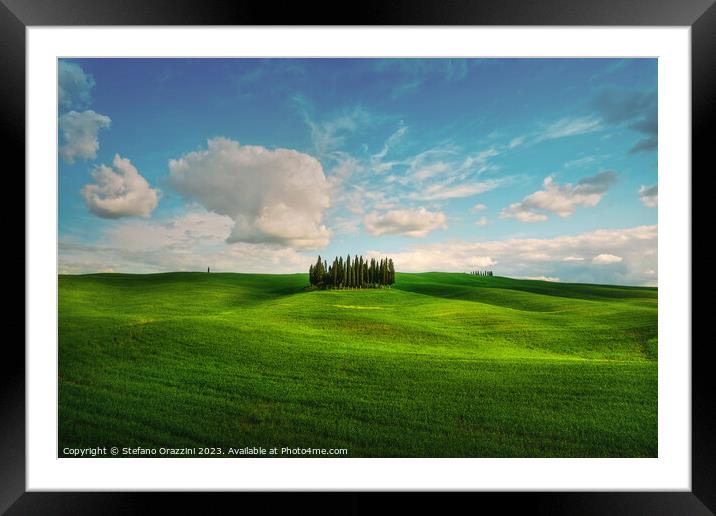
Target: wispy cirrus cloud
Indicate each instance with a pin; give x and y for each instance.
(377, 158)
(580, 162)
(330, 133)
(441, 192)
(443, 172)
(565, 127)
(411, 74)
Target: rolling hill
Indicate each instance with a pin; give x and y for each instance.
(440, 365)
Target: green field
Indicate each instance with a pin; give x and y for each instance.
(441, 364)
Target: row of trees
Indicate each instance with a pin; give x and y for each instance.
(481, 273)
(355, 273)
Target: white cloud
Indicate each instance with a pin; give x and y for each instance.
(548, 257)
(408, 87)
(517, 211)
(415, 72)
(410, 222)
(649, 196)
(330, 134)
(439, 174)
(478, 207)
(74, 86)
(482, 261)
(189, 231)
(436, 257)
(197, 239)
(540, 278)
(273, 196)
(435, 174)
(440, 192)
(421, 166)
(78, 134)
(482, 221)
(191, 241)
(561, 200)
(605, 259)
(573, 259)
(569, 127)
(119, 191)
(579, 162)
(377, 158)
(345, 225)
(425, 172)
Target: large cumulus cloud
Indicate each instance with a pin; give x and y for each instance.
(120, 191)
(74, 86)
(79, 134)
(273, 196)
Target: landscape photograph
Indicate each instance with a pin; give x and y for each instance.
(357, 257)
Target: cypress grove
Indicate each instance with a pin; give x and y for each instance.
(357, 272)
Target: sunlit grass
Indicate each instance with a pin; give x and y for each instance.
(439, 365)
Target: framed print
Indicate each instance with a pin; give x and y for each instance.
(425, 252)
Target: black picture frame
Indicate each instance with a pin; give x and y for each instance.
(16, 15)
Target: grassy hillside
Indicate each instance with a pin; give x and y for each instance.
(439, 365)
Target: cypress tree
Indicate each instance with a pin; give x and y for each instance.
(354, 283)
(349, 271)
(360, 272)
(341, 269)
(356, 272)
(318, 271)
(349, 274)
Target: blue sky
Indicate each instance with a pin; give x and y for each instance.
(540, 168)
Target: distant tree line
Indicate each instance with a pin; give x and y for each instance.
(352, 273)
(481, 273)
